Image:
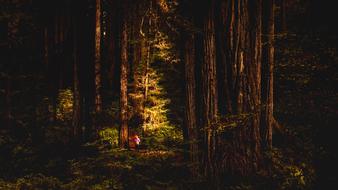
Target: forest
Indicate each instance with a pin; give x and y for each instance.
(168, 94)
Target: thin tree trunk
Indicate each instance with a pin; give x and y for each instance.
(124, 81)
(98, 99)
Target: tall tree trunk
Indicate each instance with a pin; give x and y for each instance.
(209, 85)
(254, 77)
(238, 149)
(267, 72)
(190, 101)
(124, 81)
(98, 85)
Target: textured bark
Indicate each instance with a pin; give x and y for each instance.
(190, 101)
(225, 38)
(97, 70)
(254, 75)
(267, 72)
(238, 150)
(209, 91)
(124, 81)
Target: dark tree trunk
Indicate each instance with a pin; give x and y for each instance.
(267, 72)
(190, 112)
(238, 149)
(209, 92)
(76, 121)
(224, 39)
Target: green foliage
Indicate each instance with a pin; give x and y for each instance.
(164, 49)
(158, 127)
(110, 136)
(165, 137)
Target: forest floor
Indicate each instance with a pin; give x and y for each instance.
(307, 101)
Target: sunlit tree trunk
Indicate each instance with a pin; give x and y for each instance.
(97, 70)
(149, 46)
(124, 81)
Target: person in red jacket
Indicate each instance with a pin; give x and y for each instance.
(136, 140)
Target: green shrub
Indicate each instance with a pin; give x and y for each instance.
(110, 136)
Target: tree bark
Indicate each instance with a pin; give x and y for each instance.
(190, 101)
(98, 85)
(124, 80)
(209, 92)
(267, 72)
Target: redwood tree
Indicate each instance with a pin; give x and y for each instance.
(124, 80)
